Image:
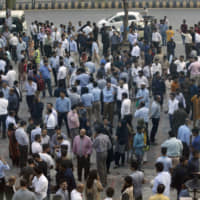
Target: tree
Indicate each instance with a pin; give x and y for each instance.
(125, 3)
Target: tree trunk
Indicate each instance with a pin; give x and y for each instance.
(125, 2)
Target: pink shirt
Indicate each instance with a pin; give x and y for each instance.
(86, 145)
(195, 68)
(73, 120)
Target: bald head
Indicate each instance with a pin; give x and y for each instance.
(80, 187)
(82, 132)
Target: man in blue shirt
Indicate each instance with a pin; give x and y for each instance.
(63, 106)
(96, 92)
(45, 70)
(108, 101)
(196, 140)
(82, 77)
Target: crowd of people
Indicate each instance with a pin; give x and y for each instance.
(111, 99)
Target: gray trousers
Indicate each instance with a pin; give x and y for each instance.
(101, 158)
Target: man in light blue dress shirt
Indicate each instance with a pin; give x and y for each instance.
(83, 77)
(54, 63)
(143, 95)
(108, 101)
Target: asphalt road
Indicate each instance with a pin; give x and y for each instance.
(63, 16)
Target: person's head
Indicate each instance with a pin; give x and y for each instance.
(195, 154)
(134, 165)
(160, 188)
(11, 180)
(49, 111)
(80, 187)
(38, 138)
(110, 192)
(38, 171)
(183, 160)
(143, 85)
(124, 95)
(139, 129)
(31, 162)
(22, 123)
(63, 184)
(82, 132)
(23, 183)
(172, 96)
(62, 94)
(93, 175)
(44, 132)
(171, 134)
(46, 148)
(60, 139)
(74, 108)
(98, 127)
(108, 83)
(58, 130)
(128, 181)
(164, 151)
(157, 98)
(195, 131)
(159, 167)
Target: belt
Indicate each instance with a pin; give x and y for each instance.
(96, 101)
(174, 156)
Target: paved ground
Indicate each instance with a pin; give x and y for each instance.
(63, 16)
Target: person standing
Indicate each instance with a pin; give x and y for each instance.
(155, 117)
(3, 166)
(126, 106)
(63, 106)
(3, 113)
(23, 141)
(82, 148)
(23, 192)
(101, 144)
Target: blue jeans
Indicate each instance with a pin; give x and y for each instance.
(48, 83)
(171, 118)
(183, 38)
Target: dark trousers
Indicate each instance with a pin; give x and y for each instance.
(119, 155)
(50, 132)
(83, 163)
(171, 117)
(108, 111)
(155, 123)
(119, 103)
(3, 124)
(23, 151)
(48, 84)
(105, 49)
(2, 186)
(63, 116)
(30, 100)
(55, 75)
(62, 82)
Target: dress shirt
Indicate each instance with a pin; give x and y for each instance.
(74, 97)
(31, 89)
(73, 46)
(180, 65)
(101, 143)
(21, 137)
(54, 62)
(2, 168)
(172, 106)
(14, 41)
(197, 38)
(184, 134)
(144, 95)
(142, 113)
(63, 193)
(2, 65)
(6, 92)
(82, 146)
(10, 120)
(125, 107)
(162, 178)
(62, 73)
(51, 122)
(139, 80)
(11, 77)
(155, 110)
(84, 79)
(166, 161)
(75, 195)
(135, 51)
(138, 143)
(156, 68)
(90, 66)
(56, 36)
(66, 143)
(36, 147)
(120, 91)
(24, 194)
(87, 99)
(3, 106)
(96, 92)
(194, 68)
(73, 120)
(65, 44)
(134, 72)
(196, 143)
(132, 38)
(45, 139)
(63, 104)
(40, 186)
(45, 71)
(34, 132)
(108, 95)
(156, 37)
(174, 147)
(48, 159)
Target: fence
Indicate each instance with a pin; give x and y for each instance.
(98, 4)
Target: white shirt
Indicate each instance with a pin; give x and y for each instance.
(172, 106)
(162, 178)
(2, 65)
(87, 30)
(14, 41)
(11, 76)
(62, 72)
(56, 36)
(3, 106)
(126, 107)
(156, 37)
(36, 147)
(40, 186)
(134, 72)
(107, 66)
(65, 44)
(47, 158)
(75, 195)
(9, 120)
(140, 80)
(135, 51)
(51, 122)
(180, 65)
(197, 38)
(120, 91)
(156, 68)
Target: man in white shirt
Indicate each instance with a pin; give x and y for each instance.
(56, 37)
(141, 79)
(172, 107)
(181, 65)
(156, 67)
(62, 74)
(11, 76)
(40, 184)
(50, 122)
(126, 105)
(77, 194)
(36, 146)
(156, 39)
(3, 113)
(162, 177)
(2, 65)
(135, 53)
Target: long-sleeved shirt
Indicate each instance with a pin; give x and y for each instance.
(126, 107)
(82, 146)
(2, 168)
(172, 106)
(84, 79)
(31, 88)
(155, 110)
(62, 73)
(108, 95)
(96, 92)
(63, 105)
(21, 137)
(142, 113)
(51, 121)
(143, 94)
(73, 120)
(87, 99)
(73, 46)
(184, 134)
(138, 143)
(102, 143)
(174, 147)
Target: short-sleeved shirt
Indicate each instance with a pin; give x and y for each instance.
(167, 162)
